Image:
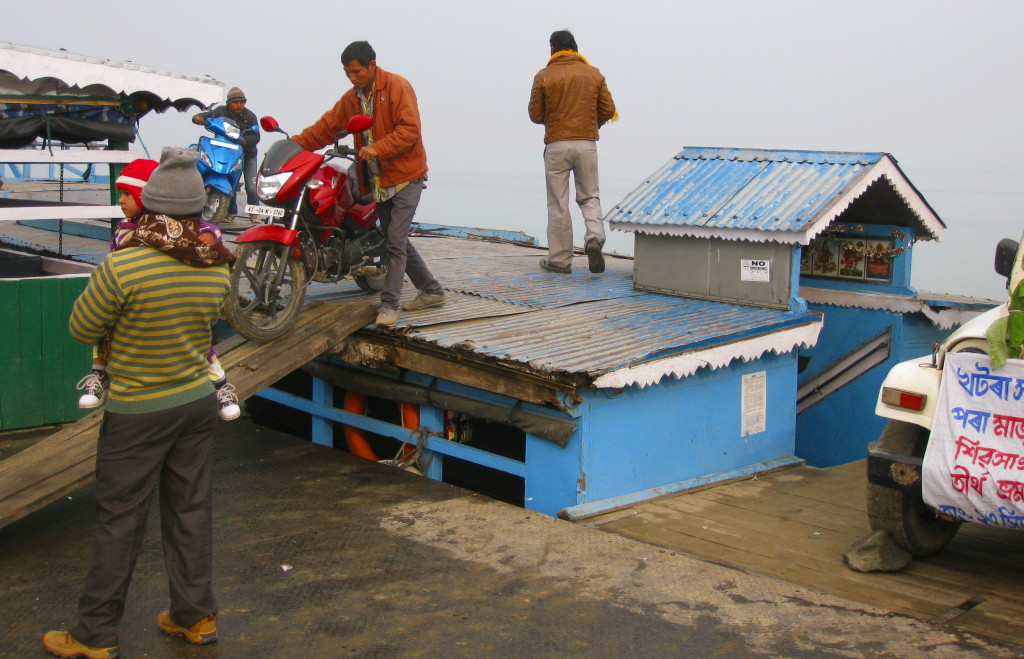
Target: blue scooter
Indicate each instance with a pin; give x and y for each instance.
(220, 164)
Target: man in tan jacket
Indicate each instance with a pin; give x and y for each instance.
(571, 99)
(393, 150)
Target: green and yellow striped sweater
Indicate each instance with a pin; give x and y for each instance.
(161, 311)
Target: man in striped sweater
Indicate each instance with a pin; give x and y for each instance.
(159, 422)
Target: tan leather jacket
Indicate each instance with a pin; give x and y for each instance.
(571, 99)
(396, 128)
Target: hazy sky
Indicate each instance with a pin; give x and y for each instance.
(934, 83)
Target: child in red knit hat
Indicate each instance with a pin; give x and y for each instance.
(127, 233)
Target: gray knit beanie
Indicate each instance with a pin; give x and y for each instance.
(235, 94)
(175, 187)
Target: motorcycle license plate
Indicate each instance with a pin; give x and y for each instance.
(268, 211)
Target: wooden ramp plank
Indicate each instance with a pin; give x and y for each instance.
(795, 525)
(65, 461)
(993, 617)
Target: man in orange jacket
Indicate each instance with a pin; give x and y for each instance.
(397, 162)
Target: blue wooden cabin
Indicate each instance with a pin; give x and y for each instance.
(579, 392)
(838, 230)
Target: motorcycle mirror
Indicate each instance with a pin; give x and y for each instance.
(358, 123)
(270, 124)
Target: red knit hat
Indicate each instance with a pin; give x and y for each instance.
(134, 176)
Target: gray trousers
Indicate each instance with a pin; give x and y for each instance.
(580, 158)
(251, 169)
(396, 221)
(134, 454)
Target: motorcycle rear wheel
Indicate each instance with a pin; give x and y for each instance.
(216, 209)
(268, 287)
(372, 283)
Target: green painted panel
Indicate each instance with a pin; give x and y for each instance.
(75, 358)
(10, 336)
(38, 353)
(32, 322)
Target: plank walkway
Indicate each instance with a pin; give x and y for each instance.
(795, 525)
(63, 462)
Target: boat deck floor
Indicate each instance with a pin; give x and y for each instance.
(795, 524)
(320, 553)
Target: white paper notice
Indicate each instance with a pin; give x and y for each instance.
(974, 464)
(755, 270)
(754, 401)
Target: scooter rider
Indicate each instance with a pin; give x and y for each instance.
(393, 151)
(246, 119)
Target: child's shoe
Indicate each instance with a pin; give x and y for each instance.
(217, 373)
(95, 385)
(228, 402)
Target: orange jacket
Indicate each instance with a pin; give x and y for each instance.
(571, 99)
(396, 128)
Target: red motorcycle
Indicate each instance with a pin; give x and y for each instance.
(316, 227)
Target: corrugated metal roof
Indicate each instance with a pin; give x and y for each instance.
(501, 305)
(601, 336)
(786, 196)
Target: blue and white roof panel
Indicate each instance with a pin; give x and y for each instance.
(502, 306)
(761, 195)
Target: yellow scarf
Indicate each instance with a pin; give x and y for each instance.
(615, 117)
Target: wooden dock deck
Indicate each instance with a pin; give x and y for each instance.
(795, 525)
(65, 461)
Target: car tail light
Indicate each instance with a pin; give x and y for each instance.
(905, 399)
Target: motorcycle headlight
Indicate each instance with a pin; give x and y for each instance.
(238, 165)
(205, 158)
(267, 187)
(232, 131)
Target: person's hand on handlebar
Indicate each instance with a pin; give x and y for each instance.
(367, 153)
(198, 119)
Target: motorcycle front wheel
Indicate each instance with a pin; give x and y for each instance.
(216, 208)
(268, 287)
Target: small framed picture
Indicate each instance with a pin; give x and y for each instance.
(878, 266)
(825, 260)
(852, 259)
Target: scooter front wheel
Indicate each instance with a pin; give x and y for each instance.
(216, 209)
(268, 287)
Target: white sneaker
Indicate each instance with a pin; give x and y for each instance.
(95, 386)
(216, 370)
(228, 402)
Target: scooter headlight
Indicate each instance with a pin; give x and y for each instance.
(232, 131)
(238, 165)
(205, 158)
(267, 187)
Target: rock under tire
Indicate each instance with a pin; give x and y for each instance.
(902, 513)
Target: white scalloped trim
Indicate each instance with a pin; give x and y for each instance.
(945, 318)
(680, 366)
